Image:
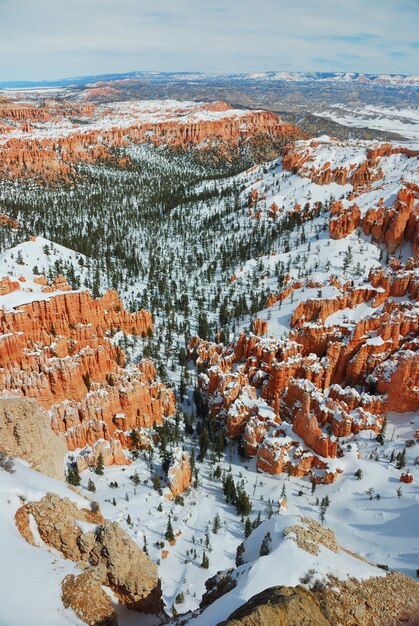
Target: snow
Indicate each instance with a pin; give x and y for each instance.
(125, 115)
(20, 261)
(274, 569)
(404, 122)
(383, 530)
(32, 575)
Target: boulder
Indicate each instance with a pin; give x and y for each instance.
(85, 596)
(123, 566)
(279, 606)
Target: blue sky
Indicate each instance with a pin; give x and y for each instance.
(43, 39)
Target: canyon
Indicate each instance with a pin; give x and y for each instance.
(209, 328)
(59, 351)
(47, 143)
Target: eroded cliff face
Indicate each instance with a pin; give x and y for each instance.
(46, 143)
(292, 400)
(395, 224)
(179, 475)
(105, 552)
(361, 163)
(25, 432)
(362, 170)
(59, 352)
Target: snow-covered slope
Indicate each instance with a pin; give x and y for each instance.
(267, 555)
(30, 592)
(404, 122)
(209, 263)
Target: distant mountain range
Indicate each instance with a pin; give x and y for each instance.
(391, 80)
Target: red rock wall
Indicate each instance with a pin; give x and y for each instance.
(58, 351)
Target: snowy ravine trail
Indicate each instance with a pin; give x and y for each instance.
(206, 266)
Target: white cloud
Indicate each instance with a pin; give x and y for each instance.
(54, 38)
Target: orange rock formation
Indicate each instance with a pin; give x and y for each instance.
(59, 352)
(52, 157)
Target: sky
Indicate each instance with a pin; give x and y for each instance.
(49, 39)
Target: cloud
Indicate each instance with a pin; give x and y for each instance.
(55, 38)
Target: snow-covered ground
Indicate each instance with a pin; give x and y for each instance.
(404, 122)
(30, 590)
(381, 527)
(122, 115)
(370, 516)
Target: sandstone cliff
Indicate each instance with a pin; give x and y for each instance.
(59, 143)
(310, 378)
(58, 351)
(282, 606)
(25, 432)
(108, 555)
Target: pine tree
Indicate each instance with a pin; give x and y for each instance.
(99, 465)
(265, 546)
(219, 445)
(243, 504)
(169, 534)
(91, 485)
(87, 381)
(247, 527)
(257, 522)
(203, 444)
(323, 508)
(216, 524)
(229, 489)
(192, 460)
(135, 439)
(73, 476)
(401, 460)
(205, 561)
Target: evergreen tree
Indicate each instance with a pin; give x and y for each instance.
(99, 465)
(205, 561)
(216, 524)
(247, 527)
(324, 505)
(203, 444)
(401, 460)
(169, 534)
(243, 504)
(91, 485)
(219, 445)
(73, 476)
(265, 546)
(86, 380)
(229, 489)
(135, 439)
